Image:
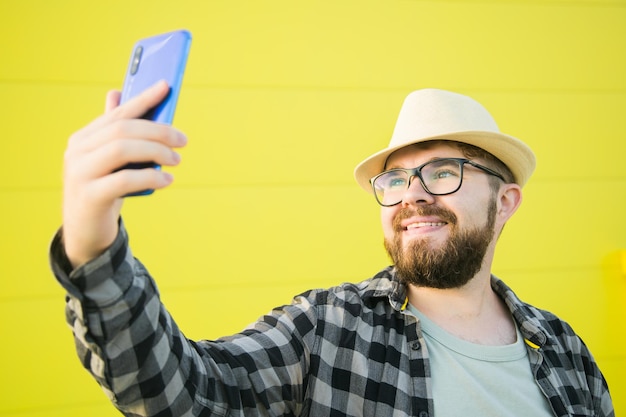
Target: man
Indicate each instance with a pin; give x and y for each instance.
(434, 335)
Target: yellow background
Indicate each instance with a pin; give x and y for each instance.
(281, 100)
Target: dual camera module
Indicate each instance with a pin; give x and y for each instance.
(136, 60)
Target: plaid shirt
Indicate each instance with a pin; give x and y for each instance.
(346, 351)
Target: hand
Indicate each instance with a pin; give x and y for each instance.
(93, 190)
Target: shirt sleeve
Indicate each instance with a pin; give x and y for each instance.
(127, 340)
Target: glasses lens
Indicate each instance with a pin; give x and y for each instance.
(442, 176)
(390, 186)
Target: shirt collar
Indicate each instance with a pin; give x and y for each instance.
(386, 284)
(526, 316)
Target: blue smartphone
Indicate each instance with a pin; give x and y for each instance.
(160, 57)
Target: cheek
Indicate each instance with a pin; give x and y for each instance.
(474, 212)
(386, 218)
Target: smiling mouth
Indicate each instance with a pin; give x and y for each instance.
(423, 219)
(417, 225)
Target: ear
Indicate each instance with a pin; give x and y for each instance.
(509, 199)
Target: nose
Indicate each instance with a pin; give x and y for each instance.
(415, 194)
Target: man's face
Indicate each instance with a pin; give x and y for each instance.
(439, 241)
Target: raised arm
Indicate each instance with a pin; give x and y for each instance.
(123, 334)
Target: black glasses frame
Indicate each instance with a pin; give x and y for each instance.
(417, 172)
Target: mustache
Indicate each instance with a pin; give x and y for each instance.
(430, 210)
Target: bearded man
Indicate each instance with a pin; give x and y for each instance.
(435, 334)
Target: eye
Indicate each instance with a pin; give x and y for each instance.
(392, 180)
(442, 170)
(441, 174)
(396, 182)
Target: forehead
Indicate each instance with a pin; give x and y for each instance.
(417, 154)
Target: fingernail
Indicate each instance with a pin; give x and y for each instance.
(167, 177)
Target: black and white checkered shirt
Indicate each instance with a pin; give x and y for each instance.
(346, 351)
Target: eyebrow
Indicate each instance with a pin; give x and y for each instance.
(434, 158)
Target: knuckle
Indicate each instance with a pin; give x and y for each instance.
(119, 112)
(117, 150)
(119, 128)
(164, 132)
(76, 139)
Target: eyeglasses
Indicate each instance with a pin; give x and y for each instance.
(438, 177)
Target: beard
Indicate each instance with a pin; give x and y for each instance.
(454, 263)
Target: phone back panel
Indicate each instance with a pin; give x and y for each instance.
(160, 57)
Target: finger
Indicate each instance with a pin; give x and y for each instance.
(127, 181)
(146, 100)
(121, 130)
(116, 155)
(112, 100)
(132, 109)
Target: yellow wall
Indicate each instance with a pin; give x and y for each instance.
(280, 101)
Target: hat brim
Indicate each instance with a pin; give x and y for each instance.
(514, 153)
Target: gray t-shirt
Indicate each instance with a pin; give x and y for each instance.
(469, 379)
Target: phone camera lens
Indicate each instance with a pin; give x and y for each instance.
(136, 59)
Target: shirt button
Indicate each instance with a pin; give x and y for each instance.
(416, 346)
(423, 414)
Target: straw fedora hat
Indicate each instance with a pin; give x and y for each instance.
(432, 114)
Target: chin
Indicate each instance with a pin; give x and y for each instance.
(430, 241)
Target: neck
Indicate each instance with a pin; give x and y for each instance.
(473, 312)
(472, 300)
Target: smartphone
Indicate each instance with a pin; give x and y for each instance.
(160, 57)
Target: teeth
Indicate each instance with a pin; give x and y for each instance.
(424, 224)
